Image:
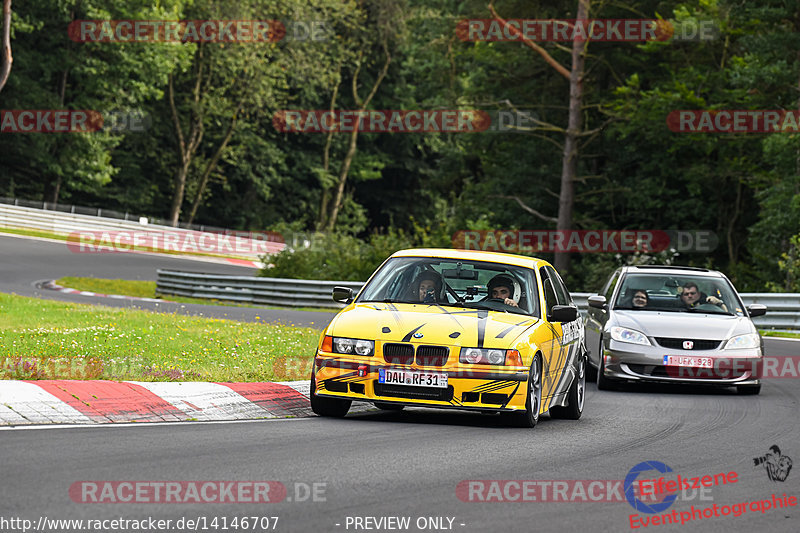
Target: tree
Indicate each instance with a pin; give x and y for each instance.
(5, 48)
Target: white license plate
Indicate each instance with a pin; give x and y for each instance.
(412, 379)
(688, 360)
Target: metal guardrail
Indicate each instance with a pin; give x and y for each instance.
(255, 290)
(783, 309)
(68, 223)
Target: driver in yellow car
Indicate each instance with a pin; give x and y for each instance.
(502, 288)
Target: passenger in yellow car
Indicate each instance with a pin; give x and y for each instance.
(502, 287)
(427, 287)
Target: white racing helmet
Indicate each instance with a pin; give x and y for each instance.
(506, 280)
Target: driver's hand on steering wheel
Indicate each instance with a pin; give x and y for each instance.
(714, 300)
(509, 301)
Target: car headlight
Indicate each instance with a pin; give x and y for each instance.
(629, 335)
(489, 356)
(353, 346)
(750, 340)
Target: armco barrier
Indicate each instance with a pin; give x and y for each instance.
(68, 223)
(256, 290)
(783, 310)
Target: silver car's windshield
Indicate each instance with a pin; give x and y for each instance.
(678, 293)
(450, 282)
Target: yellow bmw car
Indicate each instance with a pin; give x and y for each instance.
(455, 329)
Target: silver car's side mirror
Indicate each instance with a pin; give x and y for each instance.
(756, 310)
(597, 301)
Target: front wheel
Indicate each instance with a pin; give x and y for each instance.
(533, 403)
(575, 397)
(332, 407)
(603, 383)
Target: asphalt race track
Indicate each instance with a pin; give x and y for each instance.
(409, 464)
(25, 262)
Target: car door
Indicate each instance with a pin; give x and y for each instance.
(567, 345)
(551, 347)
(596, 320)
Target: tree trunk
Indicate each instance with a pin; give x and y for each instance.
(213, 163)
(326, 158)
(186, 149)
(5, 52)
(569, 162)
(351, 151)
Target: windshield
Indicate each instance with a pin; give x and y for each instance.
(451, 282)
(678, 293)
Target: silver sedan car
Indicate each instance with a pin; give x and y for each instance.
(676, 325)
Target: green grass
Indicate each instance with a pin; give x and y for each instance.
(41, 339)
(770, 333)
(147, 289)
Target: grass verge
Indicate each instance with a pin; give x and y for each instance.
(147, 289)
(771, 333)
(41, 339)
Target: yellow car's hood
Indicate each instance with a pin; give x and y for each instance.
(429, 324)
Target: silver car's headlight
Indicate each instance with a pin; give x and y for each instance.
(751, 340)
(629, 335)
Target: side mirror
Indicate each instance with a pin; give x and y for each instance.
(563, 313)
(343, 294)
(597, 301)
(757, 310)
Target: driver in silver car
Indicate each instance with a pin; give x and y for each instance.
(692, 297)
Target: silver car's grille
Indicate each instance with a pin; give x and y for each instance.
(696, 344)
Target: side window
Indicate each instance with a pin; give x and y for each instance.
(562, 294)
(550, 298)
(608, 292)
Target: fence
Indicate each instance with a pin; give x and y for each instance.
(783, 309)
(62, 223)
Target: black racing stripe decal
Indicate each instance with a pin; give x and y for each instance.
(482, 316)
(408, 336)
(509, 328)
(448, 313)
(563, 376)
(395, 313)
(513, 393)
(494, 387)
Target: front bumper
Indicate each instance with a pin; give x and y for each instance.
(471, 387)
(638, 363)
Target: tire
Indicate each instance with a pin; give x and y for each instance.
(603, 383)
(331, 407)
(576, 396)
(747, 390)
(530, 417)
(389, 406)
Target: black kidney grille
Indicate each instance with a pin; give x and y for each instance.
(432, 355)
(398, 354)
(677, 344)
